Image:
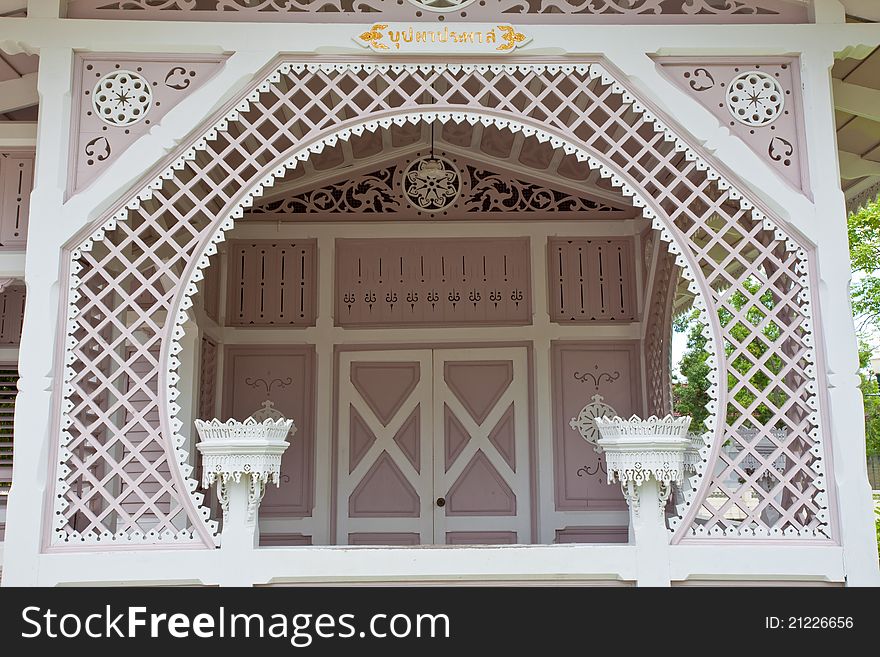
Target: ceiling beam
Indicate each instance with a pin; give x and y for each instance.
(18, 93)
(18, 134)
(854, 166)
(856, 99)
(867, 9)
(12, 6)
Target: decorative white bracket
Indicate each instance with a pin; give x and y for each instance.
(241, 458)
(637, 451)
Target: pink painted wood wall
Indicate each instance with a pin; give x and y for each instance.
(432, 282)
(12, 301)
(581, 370)
(597, 534)
(284, 375)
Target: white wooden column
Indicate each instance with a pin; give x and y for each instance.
(845, 443)
(35, 420)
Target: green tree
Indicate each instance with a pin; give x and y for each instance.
(690, 395)
(871, 394)
(863, 227)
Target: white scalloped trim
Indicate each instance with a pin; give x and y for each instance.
(709, 452)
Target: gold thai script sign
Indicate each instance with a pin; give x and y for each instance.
(429, 37)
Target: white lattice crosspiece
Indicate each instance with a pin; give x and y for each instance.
(242, 458)
(637, 450)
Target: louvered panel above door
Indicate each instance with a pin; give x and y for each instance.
(271, 283)
(591, 280)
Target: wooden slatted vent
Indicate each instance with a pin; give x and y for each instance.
(271, 283)
(16, 180)
(8, 392)
(592, 280)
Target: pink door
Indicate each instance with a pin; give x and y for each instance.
(384, 487)
(433, 447)
(481, 446)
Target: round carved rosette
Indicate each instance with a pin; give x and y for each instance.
(431, 183)
(755, 98)
(122, 98)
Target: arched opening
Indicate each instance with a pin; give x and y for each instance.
(133, 281)
(436, 305)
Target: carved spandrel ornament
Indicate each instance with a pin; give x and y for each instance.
(756, 99)
(118, 99)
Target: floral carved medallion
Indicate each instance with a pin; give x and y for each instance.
(431, 183)
(122, 98)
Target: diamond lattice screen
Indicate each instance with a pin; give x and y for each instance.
(131, 283)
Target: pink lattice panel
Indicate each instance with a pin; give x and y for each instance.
(162, 238)
(521, 11)
(432, 282)
(592, 280)
(16, 181)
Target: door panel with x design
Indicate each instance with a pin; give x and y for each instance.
(384, 473)
(481, 446)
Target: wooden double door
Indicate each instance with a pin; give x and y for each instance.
(433, 447)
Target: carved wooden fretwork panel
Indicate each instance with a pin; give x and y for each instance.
(523, 11)
(658, 338)
(432, 282)
(271, 283)
(592, 280)
(174, 222)
(118, 98)
(758, 100)
(208, 379)
(485, 194)
(16, 180)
